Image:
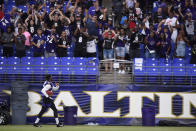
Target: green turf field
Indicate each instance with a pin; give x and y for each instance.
(94, 128)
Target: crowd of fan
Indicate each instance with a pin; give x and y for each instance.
(130, 29)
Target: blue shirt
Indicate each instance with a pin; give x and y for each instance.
(123, 19)
(92, 27)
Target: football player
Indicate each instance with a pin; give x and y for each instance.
(48, 102)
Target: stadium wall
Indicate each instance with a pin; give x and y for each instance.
(114, 104)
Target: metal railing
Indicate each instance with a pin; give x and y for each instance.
(60, 73)
(164, 75)
(161, 75)
(114, 76)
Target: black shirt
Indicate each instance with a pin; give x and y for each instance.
(81, 40)
(108, 43)
(58, 26)
(64, 41)
(32, 29)
(135, 40)
(20, 42)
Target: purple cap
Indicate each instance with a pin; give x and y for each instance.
(188, 10)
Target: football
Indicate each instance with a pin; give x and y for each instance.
(50, 93)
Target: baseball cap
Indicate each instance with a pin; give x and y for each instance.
(109, 33)
(110, 18)
(188, 10)
(166, 26)
(159, 17)
(77, 15)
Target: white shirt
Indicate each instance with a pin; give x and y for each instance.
(91, 46)
(189, 27)
(130, 3)
(47, 86)
(171, 21)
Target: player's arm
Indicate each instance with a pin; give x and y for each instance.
(46, 87)
(55, 88)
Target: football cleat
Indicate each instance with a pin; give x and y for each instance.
(36, 125)
(59, 125)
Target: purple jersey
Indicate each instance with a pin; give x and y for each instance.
(100, 33)
(151, 43)
(50, 42)
(5, 22)
(92, 10)
(37, 40)
(120, 42)
(67, 29)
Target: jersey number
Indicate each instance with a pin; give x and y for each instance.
(80, 39)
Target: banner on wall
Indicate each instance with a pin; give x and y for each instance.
(115, 104)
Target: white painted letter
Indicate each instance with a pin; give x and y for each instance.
(135, 102)
(188, 99)
(165, 105)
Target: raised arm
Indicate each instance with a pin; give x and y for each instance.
(76, 31)
(67, 6)
(55, 88)
(44, 13)
(61, 15)
(36, 18)
(50, 15)
(27, 19)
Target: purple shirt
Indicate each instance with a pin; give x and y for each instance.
(51, 45)
(37, 39)
(5, 22)
(120, 42)
(92, 10)
(151, 43)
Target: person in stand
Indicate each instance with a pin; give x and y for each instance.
(135, 41)
(7, 40)
(108, 53)
(150, 43)
(48, 102)
(51, 43)
(28, 38)
(32, 23)
(20, 43)
(163, 46)
(81, 39)
(63, 44)
(91, 47)
(181, 43)
(120, 48)
(37, 42)
(193, 51)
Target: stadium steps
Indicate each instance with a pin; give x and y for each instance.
(115, 78)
